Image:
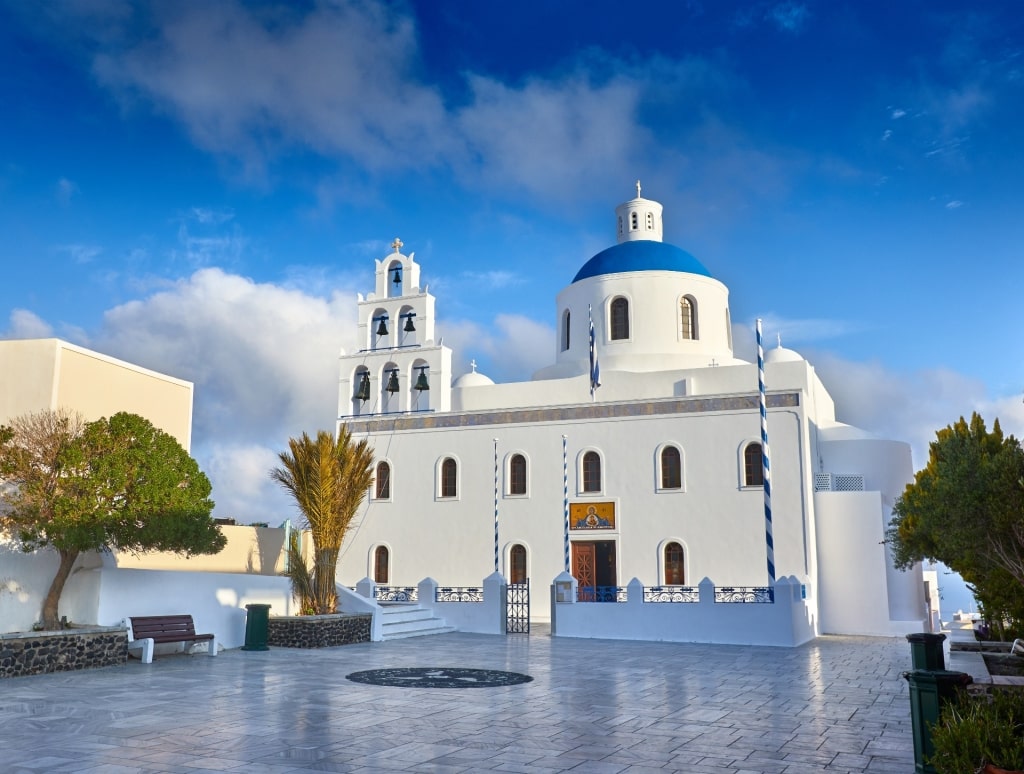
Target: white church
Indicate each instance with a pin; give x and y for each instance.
(655, 475)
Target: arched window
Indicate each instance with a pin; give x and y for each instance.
(382, 482)
(650, 221)
(620, 318)
(633, 222)
(620, 224)
(565, 330)
(517, 562)
(753, 469)
(517, 475)
(394, 279)
(688, 317)
(449, 478)
(380, 565)
(591, 472)
(674, 570)
(671, 468)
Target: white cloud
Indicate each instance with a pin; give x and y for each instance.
(245, 81)
(81, 253)
(23, 324)
(789, 16)
(910, 407)
(211, 216)
(955, 204)
(493, 280)
(511, 348)
(263, 359)
(65, 190)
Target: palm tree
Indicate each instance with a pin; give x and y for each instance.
(328, 477)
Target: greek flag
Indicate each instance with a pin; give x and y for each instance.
(595, 367)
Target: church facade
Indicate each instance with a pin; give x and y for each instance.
(656, 474)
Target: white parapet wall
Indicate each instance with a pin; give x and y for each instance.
(25, 578)
(788, 621)
(216, 601)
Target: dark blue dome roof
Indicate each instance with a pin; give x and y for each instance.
(641, 255)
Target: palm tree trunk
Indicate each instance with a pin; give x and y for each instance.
(324, 571)
(50, 617)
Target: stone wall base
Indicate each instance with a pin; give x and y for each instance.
(318, 631)
(33, 653)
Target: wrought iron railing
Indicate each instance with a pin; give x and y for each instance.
(458, 594)
(671, 594)
(750, 594)
(600, 594)
(396, 594)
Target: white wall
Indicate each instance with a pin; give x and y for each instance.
(852, 563)
(216, 601)
(788, 621)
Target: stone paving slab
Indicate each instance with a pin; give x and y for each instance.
(837, 704)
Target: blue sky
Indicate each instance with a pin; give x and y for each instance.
(201, 188)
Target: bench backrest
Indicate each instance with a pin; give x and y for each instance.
(163, 627)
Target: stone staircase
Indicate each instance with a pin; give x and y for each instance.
(408, 619)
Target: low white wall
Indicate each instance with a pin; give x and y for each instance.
(487, 617)
(216, 601)
(25, 579)
(786, 622)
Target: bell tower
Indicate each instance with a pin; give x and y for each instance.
(398, 368)
(638, 219)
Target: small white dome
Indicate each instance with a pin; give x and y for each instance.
(782, 355)
(472, 379)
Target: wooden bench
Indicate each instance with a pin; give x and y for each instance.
(145, 631)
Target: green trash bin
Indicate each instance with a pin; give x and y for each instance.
(930, 691)
(257, 621)
(926, 651)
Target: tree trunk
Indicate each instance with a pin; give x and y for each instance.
(324, 570)
(50, 618)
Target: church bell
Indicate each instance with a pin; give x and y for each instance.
(409, 327)
(398, 277)
(363, 390)
(393, 383)
(421, 382)
(382, 328)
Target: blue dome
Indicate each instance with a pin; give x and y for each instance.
(641, 255)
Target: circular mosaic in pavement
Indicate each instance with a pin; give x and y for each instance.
(439, 677)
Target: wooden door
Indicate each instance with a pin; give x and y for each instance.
(584, 569)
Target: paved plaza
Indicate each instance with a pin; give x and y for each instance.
(835, 705)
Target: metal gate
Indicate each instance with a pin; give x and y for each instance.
(517, 611)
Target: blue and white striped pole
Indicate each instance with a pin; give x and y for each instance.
(565, 495)
(495, 504)
(765, 459)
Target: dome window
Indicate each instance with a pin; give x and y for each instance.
(688, 317)
(634, 222)
(650, 221)
(565, 330)
(619, 319)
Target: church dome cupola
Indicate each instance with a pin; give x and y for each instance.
(638, 219)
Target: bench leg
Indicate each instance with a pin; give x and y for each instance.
(146, 646)
(213, 646)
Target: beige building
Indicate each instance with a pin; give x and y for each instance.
(41, 374)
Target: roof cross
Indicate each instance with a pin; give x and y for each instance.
(397, 244)
(637, 189)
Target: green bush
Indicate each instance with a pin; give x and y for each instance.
(977, 730)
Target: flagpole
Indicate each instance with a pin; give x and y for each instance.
(565, 496)
(765, 457)
(496, 505)
(595, 367)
